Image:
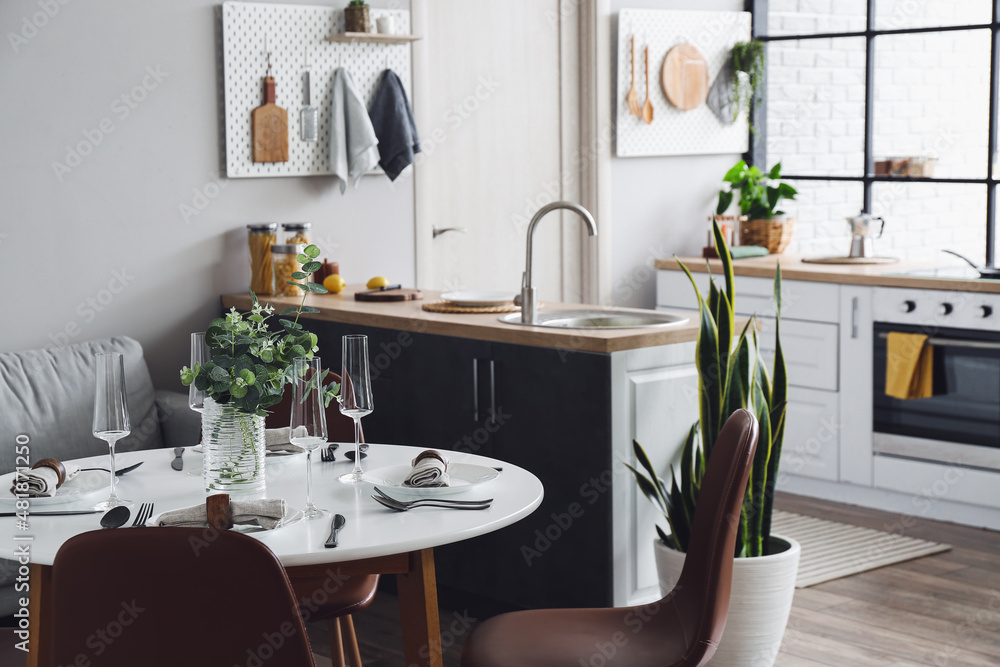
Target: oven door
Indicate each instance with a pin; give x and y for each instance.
(965, 408)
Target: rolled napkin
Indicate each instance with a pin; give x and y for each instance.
(279, 440)
(266, 513)
(430, 469)
(42, 481)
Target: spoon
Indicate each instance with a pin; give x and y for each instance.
(647, 108)
(338, 522)
(350, 455)
(115, 517)
(120, 471)
(178, 462)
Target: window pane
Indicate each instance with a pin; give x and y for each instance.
(932, 99)
(922, 219)
(808, 17)
(820, 211)
(816, 106)
(897, 14)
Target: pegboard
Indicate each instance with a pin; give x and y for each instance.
(250, 30)
(675, 132)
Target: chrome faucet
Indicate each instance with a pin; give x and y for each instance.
(528, 302)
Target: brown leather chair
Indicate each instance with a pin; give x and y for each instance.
(173, 596)
(10, 655)
(681, 630)
(331, 598)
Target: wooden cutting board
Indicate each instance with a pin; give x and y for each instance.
(269, 127)
(405, 294)
(685, 77)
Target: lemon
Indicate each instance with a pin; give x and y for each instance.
(334, 283)
(378, 281)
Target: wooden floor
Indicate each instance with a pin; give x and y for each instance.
(941, 610)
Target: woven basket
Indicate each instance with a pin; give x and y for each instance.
(775, 235)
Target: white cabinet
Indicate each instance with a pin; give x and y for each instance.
(812, 435)
(811, 352)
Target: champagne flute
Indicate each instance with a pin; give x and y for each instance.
(111, 422)
(355, 394)
(308, 426)
(200, 355)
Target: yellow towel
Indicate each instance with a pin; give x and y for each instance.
(909, 370)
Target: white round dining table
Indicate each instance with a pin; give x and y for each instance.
(374, 540)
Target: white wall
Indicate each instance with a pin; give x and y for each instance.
(64, 236)
(660, 204)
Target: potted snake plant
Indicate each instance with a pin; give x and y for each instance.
(732, 377)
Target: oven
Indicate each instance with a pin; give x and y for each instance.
(960, 424)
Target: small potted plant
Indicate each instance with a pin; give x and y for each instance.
(760, 194)
(747, 59)
(357, 17)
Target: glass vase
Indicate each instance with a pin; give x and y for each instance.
(233, 445)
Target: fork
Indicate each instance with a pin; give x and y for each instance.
(449, 501)
(145, 511)
(327, 453)
(426, 502)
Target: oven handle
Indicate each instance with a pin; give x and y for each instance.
(955, 342)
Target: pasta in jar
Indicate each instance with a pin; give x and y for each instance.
(285, 263)
(261, 237)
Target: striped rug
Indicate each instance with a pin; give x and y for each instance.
(832, 550)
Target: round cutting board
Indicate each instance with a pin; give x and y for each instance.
(685, 77)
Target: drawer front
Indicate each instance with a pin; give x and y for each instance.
(812, 352)
(812, 435)
(673, 289)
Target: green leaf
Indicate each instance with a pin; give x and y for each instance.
(775, 172)
(223, 360)
(311, 267)
(312, 251)
(725, 200)
(300, 275)
(309, 309)
(648, 488)
(313, 288)
(735, 175)
(248, 376)
(292, 310)
(219, 374)
(643, 459)
(303, 259)
(238, 391)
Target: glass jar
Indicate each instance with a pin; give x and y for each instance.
(284, 263)
(261, 238)
(234, 449)
(297, 232)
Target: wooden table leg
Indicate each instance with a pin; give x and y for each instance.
(418, 607)
(40, 616)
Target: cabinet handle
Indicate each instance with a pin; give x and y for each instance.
(854, 317)
(493, 393)
(475, 390)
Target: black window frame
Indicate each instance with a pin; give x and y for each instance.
(758, 144)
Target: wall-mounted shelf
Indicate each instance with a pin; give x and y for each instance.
(372, 37)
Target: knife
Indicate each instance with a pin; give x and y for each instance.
(178, 462)
(338, 522)
(390, 287)
(63, 513)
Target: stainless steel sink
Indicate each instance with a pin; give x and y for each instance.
(601, 318)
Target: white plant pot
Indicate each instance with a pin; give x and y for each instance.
(759, 605)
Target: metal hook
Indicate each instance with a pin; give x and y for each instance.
(386, 58)
(268, 63)
(307, 56)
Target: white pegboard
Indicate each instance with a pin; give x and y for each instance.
(250, 30)
(675, 132)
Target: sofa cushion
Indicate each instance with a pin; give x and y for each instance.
(48, 396)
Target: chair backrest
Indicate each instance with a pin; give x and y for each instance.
(702, 591)
(174, 596)
(341, 428)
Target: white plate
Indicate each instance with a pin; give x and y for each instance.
(292, 515)
(478, 299)
(88, 484)
(463, 476)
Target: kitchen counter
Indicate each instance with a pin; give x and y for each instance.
(409, 316)
(873, 275)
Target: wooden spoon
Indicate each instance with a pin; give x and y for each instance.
(647, 108)
(633, 95)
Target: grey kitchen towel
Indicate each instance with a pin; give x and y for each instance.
(353, 143)
(392, 118)
(430, 468)
(266, 513)
(279, 440)
(40, 482)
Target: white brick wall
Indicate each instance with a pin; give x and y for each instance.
(931, 99)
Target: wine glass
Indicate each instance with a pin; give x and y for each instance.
(355, 394)
(111, 422)
(200, 355)
(308, 426)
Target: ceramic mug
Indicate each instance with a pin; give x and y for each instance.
(385, 26)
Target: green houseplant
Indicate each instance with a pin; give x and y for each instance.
(251, 362)
(732, 376)
(747, 58)
(760, 194)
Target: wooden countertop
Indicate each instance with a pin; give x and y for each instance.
(409, 316)
(875, 275)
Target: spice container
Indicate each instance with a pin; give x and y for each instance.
(297, 232)
(261, 237)
(284, 262)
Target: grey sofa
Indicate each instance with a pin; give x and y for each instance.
(48, 396)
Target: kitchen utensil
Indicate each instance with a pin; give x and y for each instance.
(403, 294)
(118, 472)
(111, 420)
(55, 513)
(355, 393)
(269, 125)
(388, 288)
(308, 116)
(685, 77)
(400, 507)
(461, 476)
(178, 462)
(326, 454)
(647, 108)
(988, 272)
(145, 511)
(449, 501)
(477, 299)
(308, 425)
(633, 95)
(338, 522)
(862, 234)
(115, 517)
(350, 456)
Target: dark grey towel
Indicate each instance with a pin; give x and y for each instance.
(392, 119)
